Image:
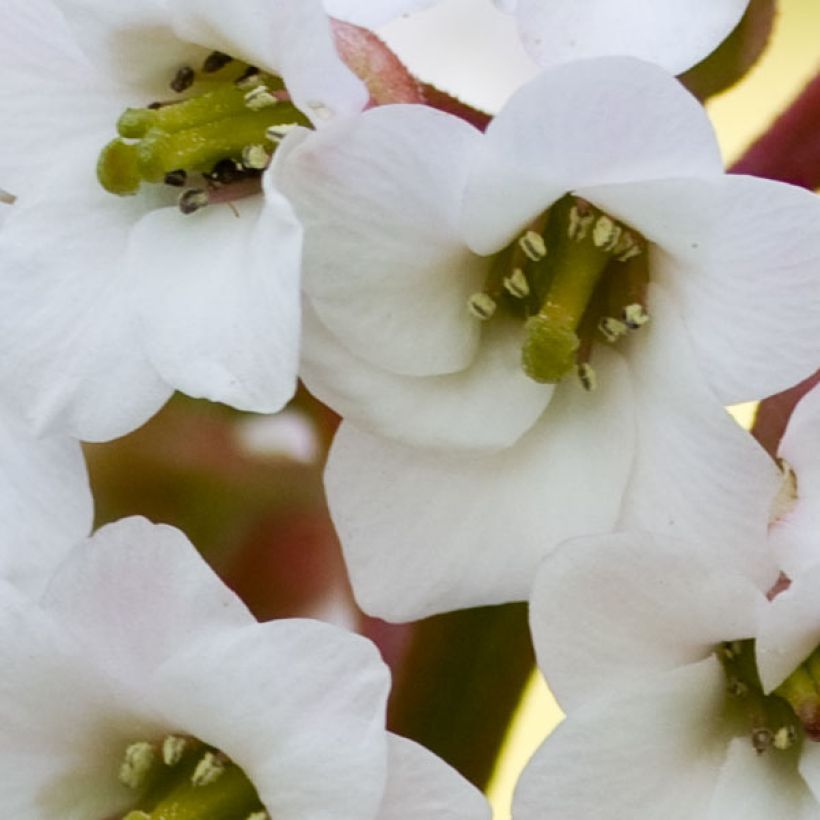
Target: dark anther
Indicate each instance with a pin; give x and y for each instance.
(192, 200)
(214, 61)
(183, 80)
(154, 106)
(225, 172)
(176, 178)
(249, 73)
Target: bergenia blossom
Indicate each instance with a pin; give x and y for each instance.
(532, 332)
(687, 694)
(795, 533)
(140, 687)
(117, 117)
(672, 34)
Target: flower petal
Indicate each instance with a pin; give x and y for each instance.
(661, 31)
(363, 13)
(218, 298)
(290, 37)
(421, 786)
(299, 705)
(451, 530)
(608, 612)
(697, 475)
(383, 258)
(489, 405)
(152, 596)
(636, 123)
(649, 753)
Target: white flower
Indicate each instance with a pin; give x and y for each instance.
(454, 472)
(796, 532)
(672, 34)
(110, 303)
(645, 642)
(139, 661)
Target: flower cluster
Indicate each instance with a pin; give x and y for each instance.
(530, 325)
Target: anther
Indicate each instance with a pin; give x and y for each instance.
(635, 316)
(761, 739)
(249, 78)
(784, 738)
(276, 133)
(255, 157)
(533, 245)
(176, 178)
(482, 306)
(209, 769)
(258, 815)
(579, 223)
(260, 97)
(516, 284)
(627, 247)
(612, 329)
(183, 79)
(605, 233)
(587, 377)
(173, 747)
(192, 200)
(216, 60)
(137, 764)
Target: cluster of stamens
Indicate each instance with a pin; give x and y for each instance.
(181, 777)
(575, 276)
(214, 143)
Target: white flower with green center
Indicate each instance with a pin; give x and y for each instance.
(795, 532)
(672, 34)
(531, 333)
(140, 687)
(121, 121)
(688, 695)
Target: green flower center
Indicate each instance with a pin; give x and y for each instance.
(576, 277)
(180, 778)
(219, 137)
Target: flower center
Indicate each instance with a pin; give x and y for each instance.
(576, 277)
(182, 778)
(219, 138)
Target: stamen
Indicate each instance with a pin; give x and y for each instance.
(260, 97)
(209, 769)
(250, 77)
(183, 79)
(276, 133)
(192, 200)
(635, 316)
(137, 764)
(627, 247)
(784, 738)
(606, 233)
(482, 306)
(216, 60)
(516, 284)
(533, 246)
(580, 222)
(173, 747)
(176, 178)
(761, 739)
(612, 329)
(255, 156)
(587, 377)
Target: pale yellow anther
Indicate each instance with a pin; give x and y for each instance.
(255, 157)
(784, 738)
(516, 284)
(635, 316)
(173, 747)
(606, 233)
(482, 306)
(276, 133)
(579, 224)
(612, 329)
(761, 740)
(137, 764)
(208, 770)
(533, 245)
(627, 247)
(587, 377)
(260, 97)
(258, 815)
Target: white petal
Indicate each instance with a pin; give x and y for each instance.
(760, 787)
(697, 474)
(790, 629)
(299, 705)
(136, 593)
(290, 37)
(45, 502)
(77, 362)
(608, 612)
(218, 297)
(797, 536)
(421, 786)
(363, 12)
(596, 122)
(651, 753)
(489, 405)
(809, 768)
(666, 32)
(385, 267)
(427, 531)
